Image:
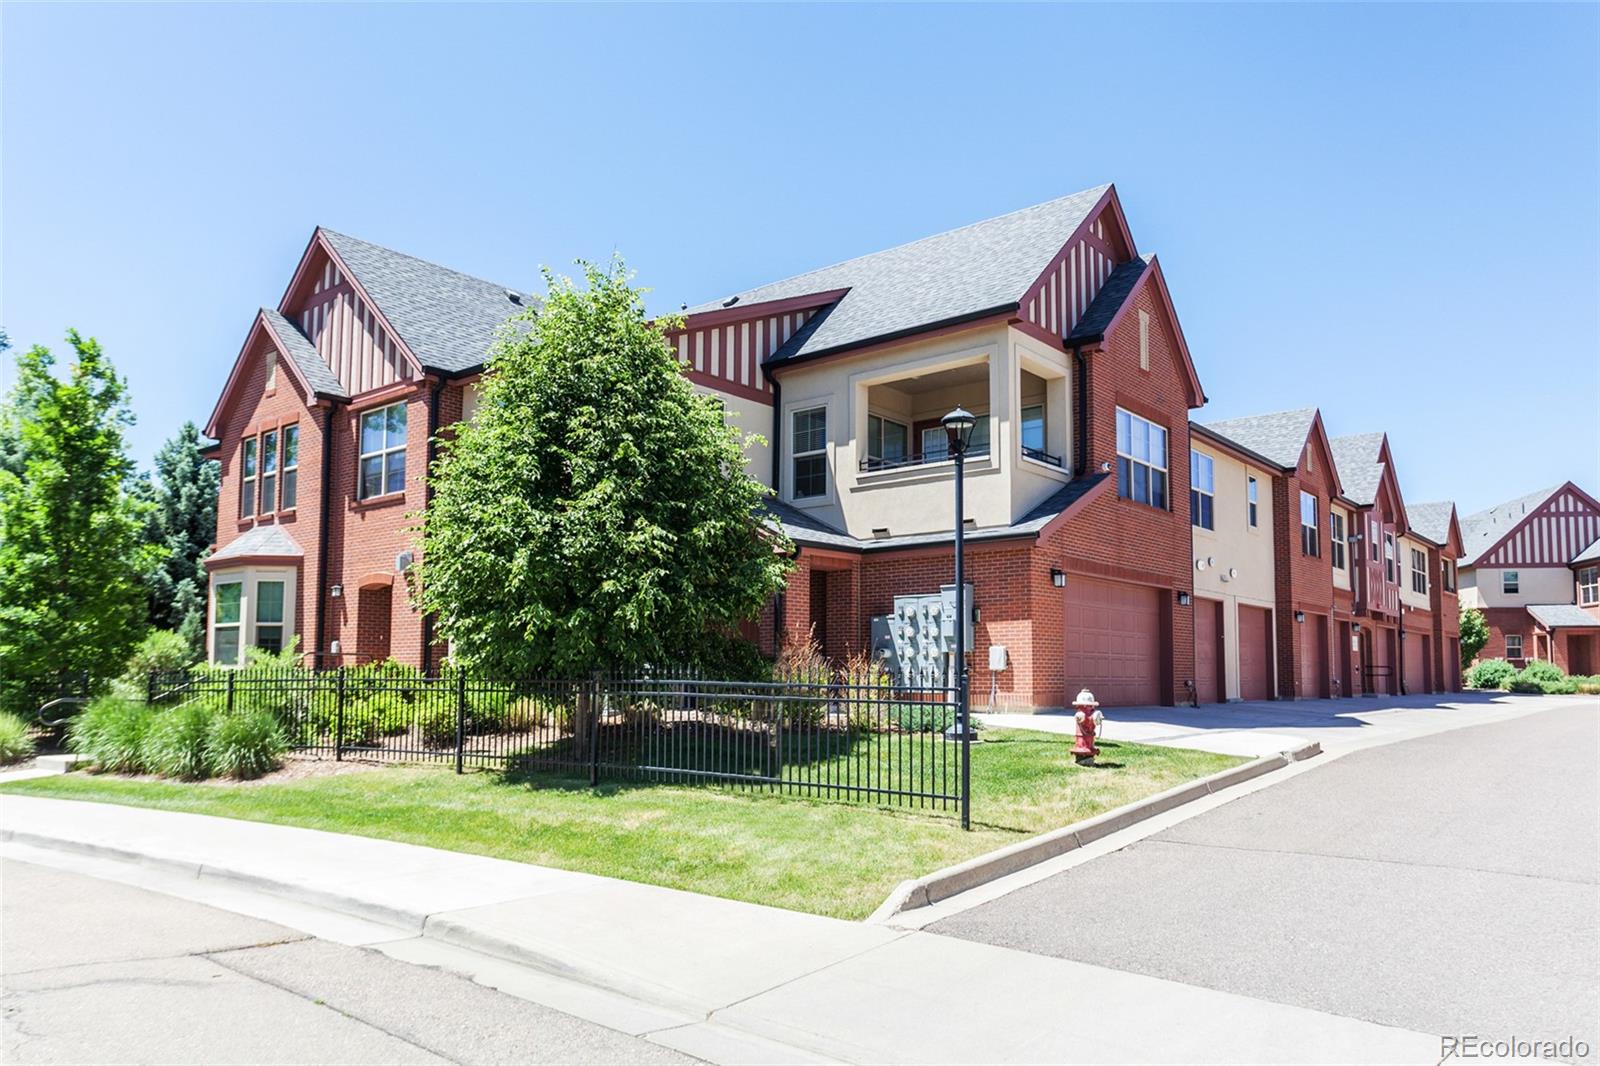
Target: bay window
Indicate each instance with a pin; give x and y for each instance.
(382, 468)
(225, 624)
(269, 616)
(1141, 460)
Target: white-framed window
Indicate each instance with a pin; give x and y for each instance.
(227, 621)
(269, 471)
(1336, 538)
(247, 483)
(1419, 571)
(1141, 460)
(291, 468)
(1510, 583)
(1310, 534)
(1202, 490)
(887, 441)
(810, 453)
(935, 441)
(1447, 574)
(269, 616)
(1589, 586)
(1033, 435)
(1252, 503)
(1513, 645)
(382, 465)
(1391, 565)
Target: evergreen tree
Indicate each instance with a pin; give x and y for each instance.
(183, 524)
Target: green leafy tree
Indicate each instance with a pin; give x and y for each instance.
(1474, 634)
(71, 550)
(19, 406)
(182, 522)
(595, 514)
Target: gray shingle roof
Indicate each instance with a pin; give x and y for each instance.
(448, 319)
(1561, 615)
(262, 540)
(311, 366)
(1356, 458)
(804, 529)
(1589, 554)
(1482, 531)
(986, 266)
(1104, 307)
(1279, 436)
(1430, 521)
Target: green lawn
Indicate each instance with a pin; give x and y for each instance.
(833, 858)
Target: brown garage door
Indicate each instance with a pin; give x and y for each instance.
(1416, 663)
(1255, 653)
(1208, 669)
(1113, 642)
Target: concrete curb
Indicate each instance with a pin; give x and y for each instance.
(952, 880)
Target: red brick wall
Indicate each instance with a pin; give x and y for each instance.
(1503, 620)
(1303, 582)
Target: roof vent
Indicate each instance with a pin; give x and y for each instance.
(514, 297)
(880, 532)
(730, 301)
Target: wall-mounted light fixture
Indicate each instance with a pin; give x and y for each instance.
(1105, 467)
(1184, 599)
(1299, 616)
(1058, 578)
(336, 591)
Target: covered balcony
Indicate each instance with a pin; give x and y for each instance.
(903, 428)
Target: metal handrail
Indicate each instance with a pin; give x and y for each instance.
(1040, 455)
(874, 463)
(53, 722)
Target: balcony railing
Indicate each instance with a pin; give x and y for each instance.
(873, 462)
(1039, 455)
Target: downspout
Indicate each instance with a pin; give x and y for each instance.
(779, 601)
(322, 536)
(427, 499)
(1080, 457)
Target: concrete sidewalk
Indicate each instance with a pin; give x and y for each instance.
(1256, 728)
(816, 987)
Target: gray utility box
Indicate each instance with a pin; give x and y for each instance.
(918, 641)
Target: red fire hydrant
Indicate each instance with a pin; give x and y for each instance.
(1088, 717)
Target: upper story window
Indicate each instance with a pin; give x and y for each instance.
(1141, 460)
(1391, 565)
(1510, 582)
(1252, 503)
(935, 441)
(1373, 538)
(810, 440)
(1310, 536)
(1419, 571)
(269, 471)
(1336, 538)
(247, 483)
(1513, 645)
(1202, 490)
(291, 468)
(1033, 437)
(1447, 574)
(887, 442)
(382, 468)
(1589, 586)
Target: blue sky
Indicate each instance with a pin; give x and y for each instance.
(1390, 212)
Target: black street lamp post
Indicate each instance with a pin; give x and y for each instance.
(958, 425)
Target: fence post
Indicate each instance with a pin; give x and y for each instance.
(594, 732)
(461, 717)
(338, 719)
(232, 676)
(150, 687)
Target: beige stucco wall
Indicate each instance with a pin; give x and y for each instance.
(1545, 584)
(749, 417)
(1416, 600)
(1233, 562)
(1032, 480)
(1341, 575)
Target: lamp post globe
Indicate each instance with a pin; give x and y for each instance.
(958, 426)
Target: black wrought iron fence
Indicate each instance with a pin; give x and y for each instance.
(881, 743)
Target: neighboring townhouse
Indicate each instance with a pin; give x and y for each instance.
(1291, 447)
(1532, 566)
(1050, 326)
(1370, 575)
(323, 432)
(1436, 526)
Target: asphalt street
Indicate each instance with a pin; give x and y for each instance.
(1449, 884)
(93, 971)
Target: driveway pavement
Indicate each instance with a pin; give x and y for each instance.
(1266, 727)
(101, 972)
(1445, 884)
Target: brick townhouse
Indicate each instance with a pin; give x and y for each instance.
(1108, 547)
(1532, 566)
